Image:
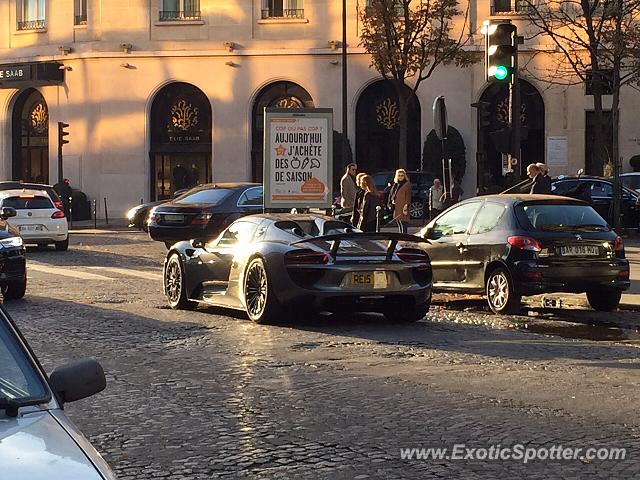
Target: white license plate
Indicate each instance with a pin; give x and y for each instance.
(376, 279)
(173, 218)
(580, 251)
(30, 228)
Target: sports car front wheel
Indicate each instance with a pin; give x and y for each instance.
(259, 300)
(174, 287)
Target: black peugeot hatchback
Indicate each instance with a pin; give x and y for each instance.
(204, 211)
(510, 246)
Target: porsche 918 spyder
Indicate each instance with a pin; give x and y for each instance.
(271, 264)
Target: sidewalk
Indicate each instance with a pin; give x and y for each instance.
(87, 226)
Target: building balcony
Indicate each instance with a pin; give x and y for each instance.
(178, 15)
(282, 13)
(509, 7)
(32, 25)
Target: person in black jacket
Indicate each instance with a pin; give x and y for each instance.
(357, 204)
(539, 185)
(370, 200)
(545, 177)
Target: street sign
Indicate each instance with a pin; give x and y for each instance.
(440, 124)
(298, 157)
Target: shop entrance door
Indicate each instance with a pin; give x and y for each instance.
(178, 171)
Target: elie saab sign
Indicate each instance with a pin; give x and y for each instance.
(42, 73)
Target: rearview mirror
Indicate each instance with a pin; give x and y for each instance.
(581, 172)
(78, 380)
(8, 212)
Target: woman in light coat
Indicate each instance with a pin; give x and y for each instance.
(400, 199)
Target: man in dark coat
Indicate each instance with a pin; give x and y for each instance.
(539, 184)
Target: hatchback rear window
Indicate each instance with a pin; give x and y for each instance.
(28, 202)
(212, 196)
(561, 217)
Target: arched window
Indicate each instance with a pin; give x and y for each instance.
(180, 139)
(31, 138)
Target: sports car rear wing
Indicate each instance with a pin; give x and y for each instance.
(392, 237)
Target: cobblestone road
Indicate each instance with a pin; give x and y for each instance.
(208, 394)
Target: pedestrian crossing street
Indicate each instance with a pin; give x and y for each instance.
(95, 273)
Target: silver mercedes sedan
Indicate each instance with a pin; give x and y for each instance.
(37, 440)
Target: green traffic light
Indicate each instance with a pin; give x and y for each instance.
(501, 72)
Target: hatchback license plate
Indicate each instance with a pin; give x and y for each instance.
(173, 218)
(580, 251)
(376, 279)
(30, 228)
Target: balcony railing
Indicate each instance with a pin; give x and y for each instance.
(32, 25)
(178, 15)
(81, 19)
(284, 13)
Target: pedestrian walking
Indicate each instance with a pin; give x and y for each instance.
(455, 196)
(538, 184)
(348, 187)
(357, 202)
(368, 216)
(64, 191)
(546, 179)
(400, 199)
(436, 199)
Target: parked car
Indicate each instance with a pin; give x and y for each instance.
(13, 272)
(53, 195)
(508, 246)
(598, 192)
(139, 214)
(420, 184)
(204, 211)
(631, 180)
(37, 440)
(270, 264)
(37, 218)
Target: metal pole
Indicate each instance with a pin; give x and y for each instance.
(345, 116)
(106, 212)
(60, 174)
(95, 211)
(70, 212)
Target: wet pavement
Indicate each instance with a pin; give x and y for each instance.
(208, 394)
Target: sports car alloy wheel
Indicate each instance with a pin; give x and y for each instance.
(417, 210)
(500, 294)
(256, 289)
(174, 284)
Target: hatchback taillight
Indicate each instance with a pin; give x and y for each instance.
(58, 204)
(58, 214)
(524, 243)
(305, 257)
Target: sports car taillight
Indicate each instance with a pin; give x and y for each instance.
(58, 214)
(524, 243)
(410, 255)
(305, 257)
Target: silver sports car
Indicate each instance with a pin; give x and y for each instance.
(270, 264)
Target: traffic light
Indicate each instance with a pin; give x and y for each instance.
(62, 133)
(501, 50)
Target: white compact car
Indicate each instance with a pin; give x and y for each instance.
(37, 218)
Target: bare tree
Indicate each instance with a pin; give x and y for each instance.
(408, 40)
(597, 43)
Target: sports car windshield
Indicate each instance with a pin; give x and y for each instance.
(19, 381)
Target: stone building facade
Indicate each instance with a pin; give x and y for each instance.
(162, 94)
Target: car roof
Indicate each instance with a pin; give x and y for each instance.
(22, 191)
(293, 217)
(11, 184)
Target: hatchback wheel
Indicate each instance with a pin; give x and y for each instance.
(174, 285)
(501, 295)
(417, 210)
(605, 299)
(62, 246)
(260, 302)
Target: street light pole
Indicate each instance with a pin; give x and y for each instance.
(345, 130)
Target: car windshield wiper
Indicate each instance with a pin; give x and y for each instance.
(590, 226)
(12, 405)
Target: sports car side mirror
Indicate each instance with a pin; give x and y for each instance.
(198, 243)
(427, 232)
(78, 380)
(8, 212)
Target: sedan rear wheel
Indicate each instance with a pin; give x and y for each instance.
(604, 300)
(174, 286)
(501, 295)
(261, 304)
